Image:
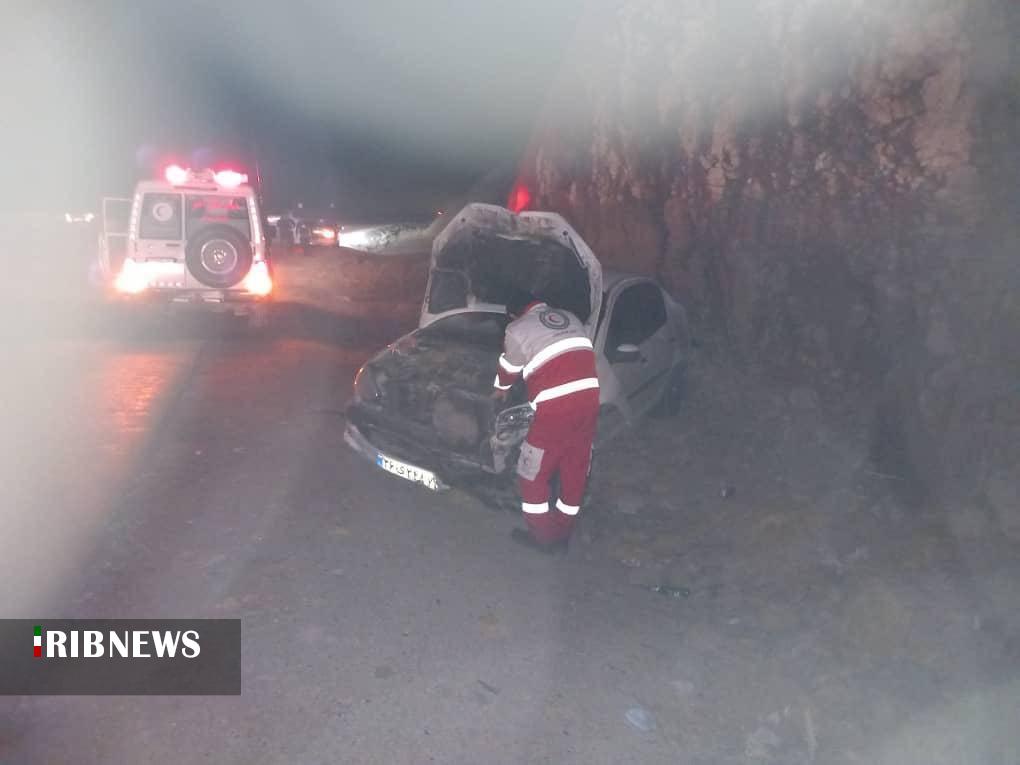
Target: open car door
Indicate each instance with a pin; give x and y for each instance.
(113, 238)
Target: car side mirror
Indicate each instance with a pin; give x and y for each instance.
(626, 353)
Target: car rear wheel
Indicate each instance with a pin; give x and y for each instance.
(219, 256)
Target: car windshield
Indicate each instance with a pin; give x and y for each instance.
(475, 327)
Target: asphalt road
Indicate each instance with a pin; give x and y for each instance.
(191, 471)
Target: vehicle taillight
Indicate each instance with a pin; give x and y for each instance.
(176, 175)
(131, 280)
(520, 198)
(258, 281)
(230, 178)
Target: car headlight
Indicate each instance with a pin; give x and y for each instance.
(365, 386)
(354, 239)
(513, 423)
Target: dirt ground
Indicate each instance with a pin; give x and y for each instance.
(820, 616)
(843, 624)
(842, 621)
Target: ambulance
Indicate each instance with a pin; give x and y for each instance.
(192, 238)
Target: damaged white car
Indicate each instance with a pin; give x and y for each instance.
(422, 408)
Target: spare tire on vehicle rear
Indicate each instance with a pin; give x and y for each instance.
(218, 256)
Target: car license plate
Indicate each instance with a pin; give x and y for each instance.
(408, 472)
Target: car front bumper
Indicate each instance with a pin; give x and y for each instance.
(360, 444)
(379, 432)
(195, 298)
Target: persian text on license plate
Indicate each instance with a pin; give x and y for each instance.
(408, 472)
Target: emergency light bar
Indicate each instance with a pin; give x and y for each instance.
(230, 178)
(179, 176)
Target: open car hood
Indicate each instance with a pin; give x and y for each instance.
(485, 249)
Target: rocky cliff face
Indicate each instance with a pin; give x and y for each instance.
(833, 185)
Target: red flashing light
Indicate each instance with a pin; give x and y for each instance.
(520, 198)
(230, 178)
(176, 175)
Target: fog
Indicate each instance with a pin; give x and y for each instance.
(827, 187)
(327, 95)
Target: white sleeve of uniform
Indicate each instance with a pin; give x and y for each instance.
(511, 362)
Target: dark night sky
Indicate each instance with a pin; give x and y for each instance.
(356, 102)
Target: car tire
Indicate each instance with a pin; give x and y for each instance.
(252, 321)
(496, 494)
(218, 256)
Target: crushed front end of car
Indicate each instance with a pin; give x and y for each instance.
(423, 408)
(426, 401)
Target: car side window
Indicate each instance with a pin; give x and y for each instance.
(638, 313)
(161, 217)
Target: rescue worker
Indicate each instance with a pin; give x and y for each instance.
(549, 349)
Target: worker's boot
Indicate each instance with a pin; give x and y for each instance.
(524, 538)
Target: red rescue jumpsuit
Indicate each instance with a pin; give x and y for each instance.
(551, 350)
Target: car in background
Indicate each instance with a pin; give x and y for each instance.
(422, 408)
(317, 233)
(191, 239)
(388, 238)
